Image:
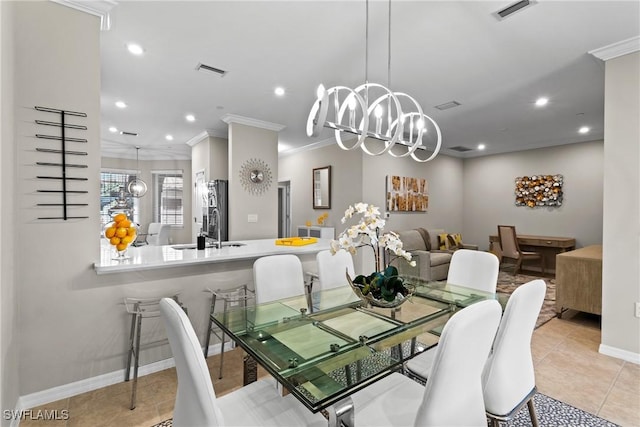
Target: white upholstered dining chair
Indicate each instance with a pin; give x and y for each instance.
(474, 269)
(508, 377)
(257, 404)
(276, 277)
(332, 268)
(453, 394)
(158, 234)
(471, 269)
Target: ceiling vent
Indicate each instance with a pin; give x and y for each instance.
(215, 70)
(128, 133)
(513, 8)
(448, 105)
(460, 149)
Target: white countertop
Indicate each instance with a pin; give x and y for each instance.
(155, 257)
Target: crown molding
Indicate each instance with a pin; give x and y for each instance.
(309, 147)
(234, 118)
(617, 49)
(206, 134)
(99, 8)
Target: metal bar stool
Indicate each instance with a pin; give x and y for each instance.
(230, 298)
(139, 308)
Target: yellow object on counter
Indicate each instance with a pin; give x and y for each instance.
(296, 241)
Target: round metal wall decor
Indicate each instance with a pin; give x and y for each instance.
(255, 176)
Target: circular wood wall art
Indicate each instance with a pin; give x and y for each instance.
(255, 176)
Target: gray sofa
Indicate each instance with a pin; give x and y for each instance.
(431, 262)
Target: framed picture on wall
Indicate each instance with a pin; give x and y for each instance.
(406, 194)
(539, 190)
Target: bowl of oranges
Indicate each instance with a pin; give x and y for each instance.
(120, 233)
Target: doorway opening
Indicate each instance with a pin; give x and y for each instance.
(284, 209)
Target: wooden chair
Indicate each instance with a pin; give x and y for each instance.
(511, 250)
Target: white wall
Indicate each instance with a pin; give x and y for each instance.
(358, 177)
(444, 177)
(248, 142)
(346, 183)
(489, 200)
(621, 245)
(58, 333)
(177, 234)
(9, 334)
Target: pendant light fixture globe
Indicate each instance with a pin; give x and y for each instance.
(137, 187)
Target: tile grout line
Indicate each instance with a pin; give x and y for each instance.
(613, 383)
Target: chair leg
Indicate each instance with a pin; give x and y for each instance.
(532, 412)
(127, 371)
(518, 266)
(210, 326)
(223, 340)
(134, 386)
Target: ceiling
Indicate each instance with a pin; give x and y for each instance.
(441, 51)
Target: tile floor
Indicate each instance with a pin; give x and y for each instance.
(568, 368)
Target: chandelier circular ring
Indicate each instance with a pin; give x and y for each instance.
(354, 103)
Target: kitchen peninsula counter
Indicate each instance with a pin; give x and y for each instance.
(160, 257)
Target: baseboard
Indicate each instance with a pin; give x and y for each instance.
(89, 384)
(620, 354)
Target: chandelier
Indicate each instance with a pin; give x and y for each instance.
(372, 111)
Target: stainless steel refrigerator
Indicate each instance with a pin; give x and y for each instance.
(217, 199)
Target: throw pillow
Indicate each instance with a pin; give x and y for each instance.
(443, 242)
(455, 241)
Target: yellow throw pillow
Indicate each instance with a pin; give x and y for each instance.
(443, 242)
(454, 240)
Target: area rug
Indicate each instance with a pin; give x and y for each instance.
(507, 283)
(551, 413)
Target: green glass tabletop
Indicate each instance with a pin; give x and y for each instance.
(327, 345)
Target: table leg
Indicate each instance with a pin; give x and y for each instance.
(342, 414)
(250, 373)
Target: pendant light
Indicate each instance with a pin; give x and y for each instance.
(137, 187)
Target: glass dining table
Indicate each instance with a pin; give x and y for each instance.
(325, 346)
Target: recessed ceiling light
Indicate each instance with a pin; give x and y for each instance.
(584, 129)
(113, 129)
(121, 104)
(135, 49)
(279, 91)
(541, 102)
(169, 137)
(190, 118)
(481, 146)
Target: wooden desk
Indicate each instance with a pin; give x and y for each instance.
(579, 280)
(549, 246)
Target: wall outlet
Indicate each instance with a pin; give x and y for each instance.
(252, 218)
(637, 309)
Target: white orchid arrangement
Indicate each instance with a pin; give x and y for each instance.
(368, 232)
